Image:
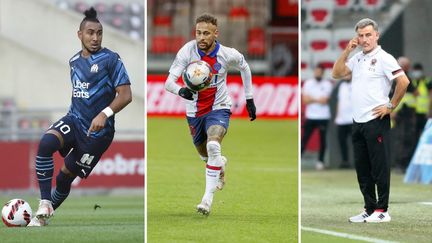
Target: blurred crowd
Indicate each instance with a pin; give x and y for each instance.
(328, 102)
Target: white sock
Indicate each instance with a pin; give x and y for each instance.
(213, 169)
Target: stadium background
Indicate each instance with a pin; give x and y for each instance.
(266, 32)
(37, 38)
(329, 197)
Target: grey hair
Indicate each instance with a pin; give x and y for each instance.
(365, 22)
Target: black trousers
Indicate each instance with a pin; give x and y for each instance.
(372, 162)
(344, 131)
(309, 126)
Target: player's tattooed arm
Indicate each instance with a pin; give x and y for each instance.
(123, 98)
(216, 133)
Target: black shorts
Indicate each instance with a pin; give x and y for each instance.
(81, 153)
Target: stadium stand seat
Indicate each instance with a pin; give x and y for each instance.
(325, 59)
(344, 5)
(319, 13)
(341, 37)
(101, 8)
(256, 42)
(306, 60)
(119, 22)
(318, 40)
(118, 9)
(160, 44)
(80, 6)
(136, 9)
(371, 5)
(135, 22)
(175, 43)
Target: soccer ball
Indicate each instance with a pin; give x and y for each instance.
(16, 213)
(197, 75)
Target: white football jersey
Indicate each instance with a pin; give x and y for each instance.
(216, 96)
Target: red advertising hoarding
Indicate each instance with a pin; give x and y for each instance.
(275, 97)
(122, 165)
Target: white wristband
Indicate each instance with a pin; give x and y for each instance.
(108, 111)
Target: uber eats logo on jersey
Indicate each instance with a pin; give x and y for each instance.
(80, 89)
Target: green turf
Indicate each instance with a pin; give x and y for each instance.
(329, 198)
(120, 219)
(322, 238)
(259, 202)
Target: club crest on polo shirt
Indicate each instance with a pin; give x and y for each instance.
(372, 65)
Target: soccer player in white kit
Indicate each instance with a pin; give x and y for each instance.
(208, 111)
(373, 70)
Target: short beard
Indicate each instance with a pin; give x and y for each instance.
(206, 49)
(92, 52)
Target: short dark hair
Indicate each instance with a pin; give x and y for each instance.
(207, 18)
(90, 15)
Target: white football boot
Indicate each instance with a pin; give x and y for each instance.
(359, 218)
(378, 217)
(44, 212)
(221, 182)
(204, 207)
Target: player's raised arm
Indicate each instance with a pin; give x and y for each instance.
(340, 68)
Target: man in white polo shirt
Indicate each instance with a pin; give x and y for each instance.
(315, 94)
(373, 71)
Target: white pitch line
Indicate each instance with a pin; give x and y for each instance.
(425, 203)
(346, 235)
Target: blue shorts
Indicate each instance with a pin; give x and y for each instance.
(81, 153)
(199, 125)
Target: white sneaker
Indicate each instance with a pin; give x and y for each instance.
(221, 182)
(204, 208)
(378, 217)
(359, 218)
(44, 212)
(35, 222)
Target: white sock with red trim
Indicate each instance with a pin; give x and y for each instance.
(213, 169)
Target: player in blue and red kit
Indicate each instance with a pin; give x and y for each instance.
(208, 112)
(100, 88)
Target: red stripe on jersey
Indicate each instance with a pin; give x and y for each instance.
(206, 98)
(213, 167)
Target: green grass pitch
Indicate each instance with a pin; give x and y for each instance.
(329, 198)
(259, 202)
(120, 219)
